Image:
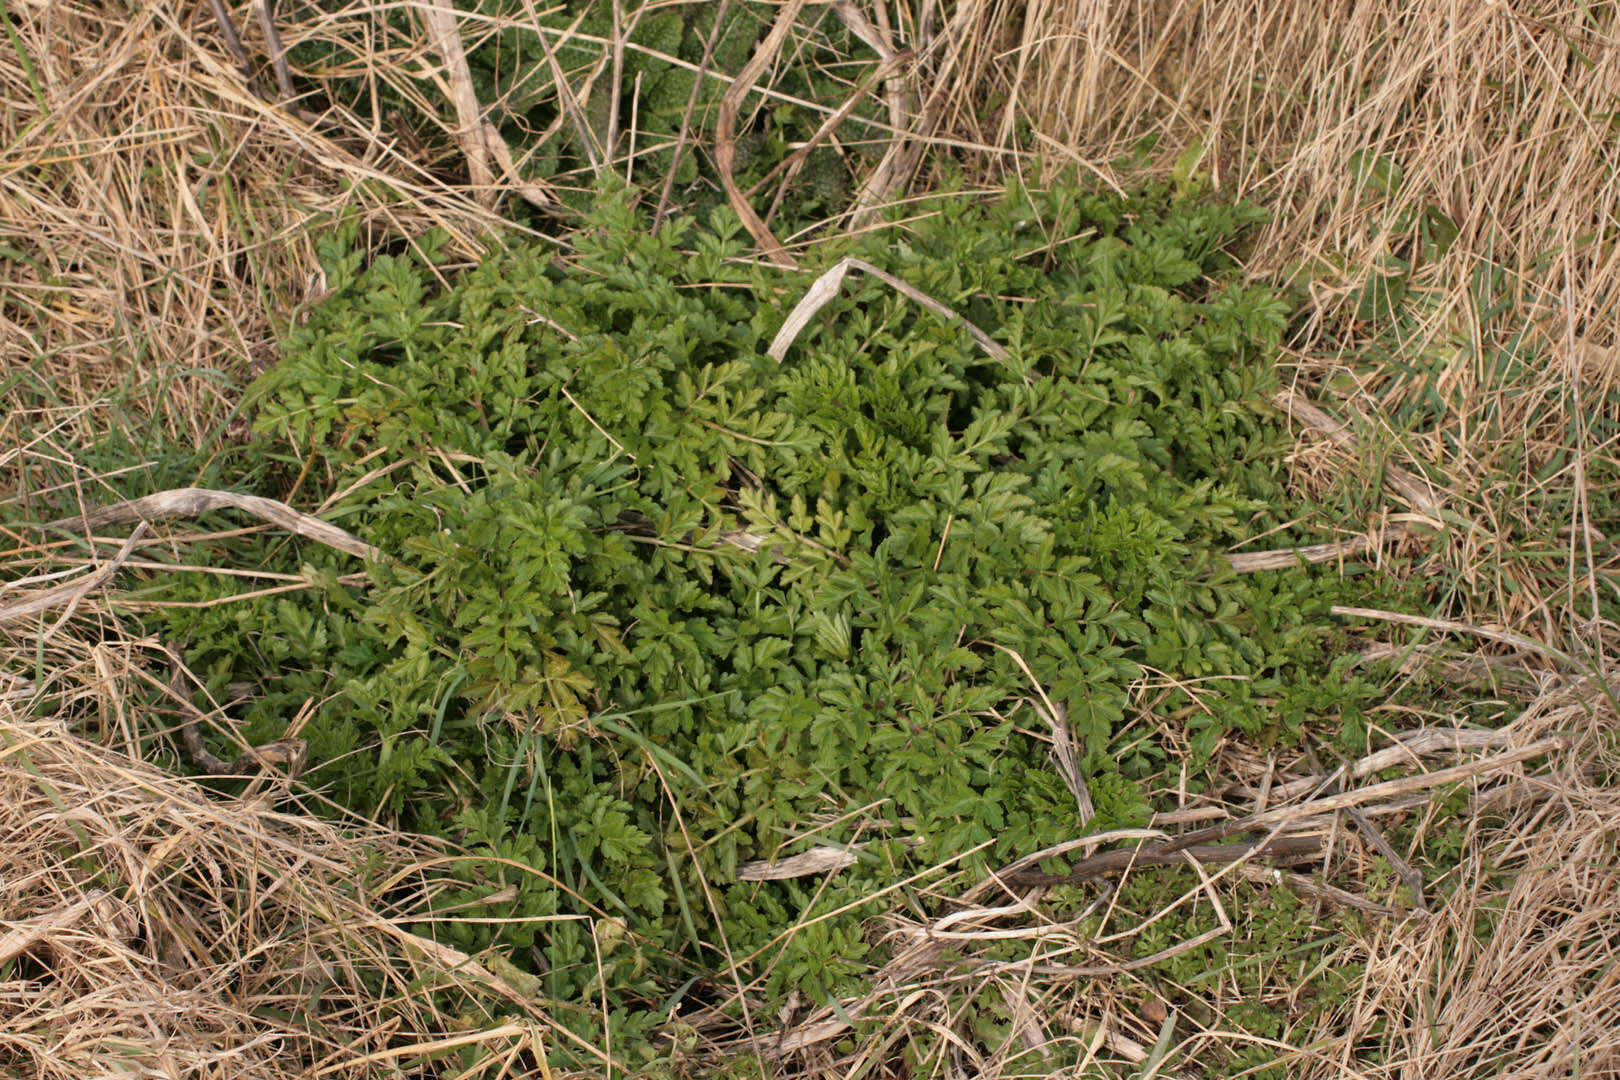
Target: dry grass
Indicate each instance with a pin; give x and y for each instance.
(155, 230)
(1499, 383)
(1497, 114)
(1515, 975)
(151, 928)
(156, 216)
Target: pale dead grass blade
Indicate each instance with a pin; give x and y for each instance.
(1311, 811)
(789, 167)
(825, 288)
(1280, 850)
(1409, 750)
(1249, 562)
(71, 593)
(816, 861)
(191, 502)
(1505, 637)
(1282, 815)
(1320, 891)
(1063, 741)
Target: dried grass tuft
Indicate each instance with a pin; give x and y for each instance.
(156, 216)
(1515, 975)
(148, 927)
(1498, 115)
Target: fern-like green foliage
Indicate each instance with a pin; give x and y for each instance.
(656, 605)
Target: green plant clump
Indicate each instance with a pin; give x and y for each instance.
(655, 605)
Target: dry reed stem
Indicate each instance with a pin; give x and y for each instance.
(902, 155)
(788, 168)
(1283, 815)
(725, 141)
(1281, 849)
(1249, 562)
(1277, 818)
(1409, 750)
(440, 17)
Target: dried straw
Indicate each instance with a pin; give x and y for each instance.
(148, 927)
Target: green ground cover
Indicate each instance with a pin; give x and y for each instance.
(655, 605)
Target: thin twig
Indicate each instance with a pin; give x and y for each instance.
(1375, 836)
(233, 42)
(1409, 749)
(286, 754)
(904, 152)
(619, 32)
(789, 166)
(1284, 815)
(1504, 637)
(1281, 849)
(686, 116)
(1312, 889)
(278, 55)
(1407, 872)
